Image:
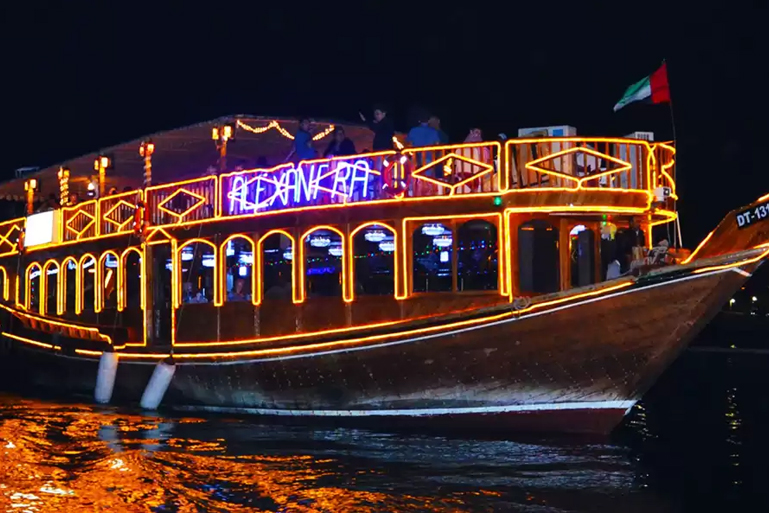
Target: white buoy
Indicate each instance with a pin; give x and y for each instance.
(105, 379)
(156, 388)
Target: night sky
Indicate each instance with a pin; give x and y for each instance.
(78, 77)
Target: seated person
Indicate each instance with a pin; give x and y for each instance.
(238, 292)
(340, 145)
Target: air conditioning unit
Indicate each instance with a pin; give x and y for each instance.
(548, 131)
(646, 136)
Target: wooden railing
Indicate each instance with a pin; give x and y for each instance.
(569, 163)
(578, 163)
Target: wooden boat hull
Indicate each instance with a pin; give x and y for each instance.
(577, 366)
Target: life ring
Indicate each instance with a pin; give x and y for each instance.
(395, 174)
(140, 223)
(20, 240)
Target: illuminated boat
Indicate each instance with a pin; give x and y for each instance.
(420, 285)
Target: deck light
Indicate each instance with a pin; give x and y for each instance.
(63, 186)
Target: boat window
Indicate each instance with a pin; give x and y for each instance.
(477, 256)
(198, 263)
(3, 284)
(69, 274)
(583, 258)
(132, 282)
(51, 288)
(239, 256)
(32, 291)
(88, 278)
(432, 248)
(323, 263)
(538, 258)
(277, 256)
(374, 260)
(108, 278)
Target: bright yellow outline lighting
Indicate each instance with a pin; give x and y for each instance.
(398, 294)
(346, 294)
(28, 286)
(259, 266)
(44, 287)
(222, 263)
(80, 289)
(78, 210)
(177, 269)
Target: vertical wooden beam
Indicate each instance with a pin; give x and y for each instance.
(564, 254)
(512, 255)
(454, 256)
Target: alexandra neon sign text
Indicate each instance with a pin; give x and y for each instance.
(304, 184)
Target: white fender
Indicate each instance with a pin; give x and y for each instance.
(105, 378)
(159, 382)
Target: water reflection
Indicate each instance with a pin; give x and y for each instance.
(78, 458)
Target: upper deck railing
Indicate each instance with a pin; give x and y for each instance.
(568, 163)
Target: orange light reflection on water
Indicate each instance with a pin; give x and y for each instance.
(69, 458)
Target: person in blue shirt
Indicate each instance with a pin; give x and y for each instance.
(424, 135)
(435, 122)
(303, 142)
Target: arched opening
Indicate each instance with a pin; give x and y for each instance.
(582, 252)
(373, 260)
(69, 286)
(32, 290)
(108, 268)
(88, 283)
(3, 284)
(131, 287)
(433, 244)
(538, 258)
(197, 260)
(51, 274)
(477, 256)
(323, 263)
(239, 275)
(276, 251)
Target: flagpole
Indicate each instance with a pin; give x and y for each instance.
(679, 240)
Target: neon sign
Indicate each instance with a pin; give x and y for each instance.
(303, 184)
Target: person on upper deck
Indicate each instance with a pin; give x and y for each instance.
(423, 134)
(340, 145)
(383, 129)
(435, 123)
(303, 142)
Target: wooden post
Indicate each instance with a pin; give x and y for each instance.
(512, 254)
(454, 257)
(148, 284)
(564, 254)
(596, 227)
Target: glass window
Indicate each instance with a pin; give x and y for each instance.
(277, 256)
(323, 263)
(374, 261)
(88, 277)
(33, 286)
(51, 288)
(477, 256)
(69, 273)
(239, 255)
(109, 264)
(198, 264)
(132, 266)
(432, 248)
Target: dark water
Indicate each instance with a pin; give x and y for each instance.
(697, 442)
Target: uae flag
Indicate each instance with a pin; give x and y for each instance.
(652, 89)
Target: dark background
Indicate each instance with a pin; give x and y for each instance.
(78, 76)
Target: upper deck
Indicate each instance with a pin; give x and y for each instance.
(582, 175)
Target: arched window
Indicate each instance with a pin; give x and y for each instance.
(477, 256)
(276, 251)
(108, 268)
(582, 252)
(198, 271)
(323, 263)
(51, 288)
(538, 257)
(32, 290)
(239, 272)
(87, 283)
(373, 260)
(69, 286)
(131, 281)
(432, 248)
(3, 284)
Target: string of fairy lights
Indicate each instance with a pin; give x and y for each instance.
(282, 131)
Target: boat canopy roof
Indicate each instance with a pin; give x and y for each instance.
(189, 152)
